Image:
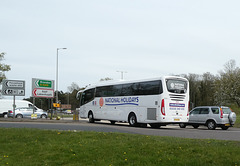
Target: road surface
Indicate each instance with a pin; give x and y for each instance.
(170, 130)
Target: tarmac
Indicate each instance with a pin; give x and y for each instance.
(48, 120)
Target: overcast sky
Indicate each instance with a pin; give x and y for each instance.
(145, 38)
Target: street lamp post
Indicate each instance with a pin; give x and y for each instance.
(122, 74)
(57, 75)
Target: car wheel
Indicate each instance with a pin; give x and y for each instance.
(44, 116)
(5, 116)
(182, 125)
(132, 119)
(113, 122)
(19, 116)
(224, 127)
(211, 125)
(195, 126)
(90, 117)
(143, 125)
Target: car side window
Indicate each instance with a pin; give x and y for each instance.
(204, 111)
(215, 110)
(195, 111)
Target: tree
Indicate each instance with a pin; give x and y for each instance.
(194, 89)
(227, 85)
(3, 67)
(71, 95)
(74, 86)
(106, 79)
(206, 89)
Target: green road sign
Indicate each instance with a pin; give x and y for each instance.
(44, 83)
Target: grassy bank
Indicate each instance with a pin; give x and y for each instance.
(43, 147)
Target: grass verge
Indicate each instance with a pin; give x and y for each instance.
(45, 147)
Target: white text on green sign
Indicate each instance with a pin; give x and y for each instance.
(44, 83)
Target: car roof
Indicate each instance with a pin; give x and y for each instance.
(211, 107)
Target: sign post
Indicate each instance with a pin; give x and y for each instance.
(13, 88)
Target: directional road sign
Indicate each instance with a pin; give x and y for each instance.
(44, 84)
(44, 93)
(13, 88)
(42, 88)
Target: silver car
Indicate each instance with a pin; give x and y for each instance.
(26, 112)
(212, 117)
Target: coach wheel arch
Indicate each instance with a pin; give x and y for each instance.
(132, 119)
(90, 117)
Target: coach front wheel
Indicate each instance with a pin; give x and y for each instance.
(90, 117)
(132, 119)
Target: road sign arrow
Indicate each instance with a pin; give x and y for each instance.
(34, 92)
(14, 84)
(44, 84)
(39, 92)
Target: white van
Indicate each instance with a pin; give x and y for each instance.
(6, 105)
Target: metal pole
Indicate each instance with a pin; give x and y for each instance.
(14, 106)
(122, 74)
(33, 104)
(57, 78)
(57, 75)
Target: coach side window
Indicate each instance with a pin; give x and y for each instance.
(127, 90)
(148, 88)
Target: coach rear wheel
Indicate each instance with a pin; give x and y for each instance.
(155, 125)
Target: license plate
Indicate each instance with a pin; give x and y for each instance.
(227, 124)
(176, 119)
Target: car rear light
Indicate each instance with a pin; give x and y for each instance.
(10, 112)
(221, 111)
(163, 108)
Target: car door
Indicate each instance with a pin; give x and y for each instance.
(23, 111)
(28, 112)
(194, 115)
(203, 116)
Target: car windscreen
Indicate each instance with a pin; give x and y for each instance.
(176, 86)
